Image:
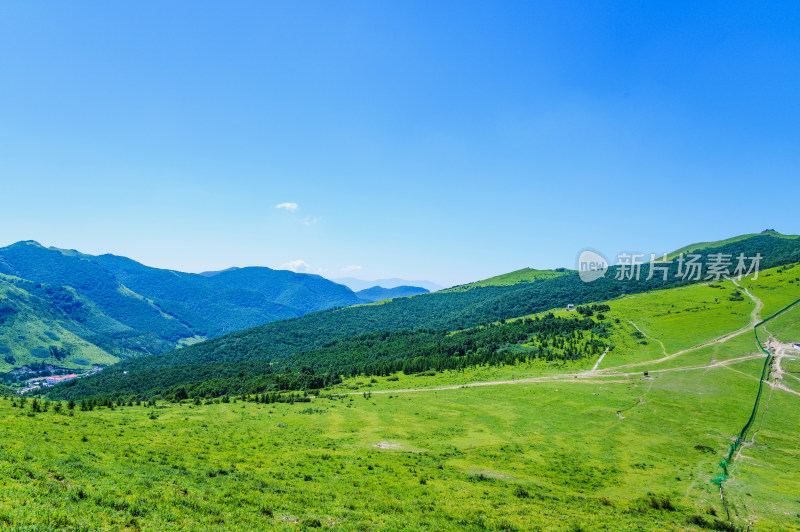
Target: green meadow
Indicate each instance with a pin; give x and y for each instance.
(532, 446)
(776, 287)
(607, 454)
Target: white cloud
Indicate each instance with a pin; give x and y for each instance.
(297, 266)
(310, 221)
(289, 206)
(351, 268)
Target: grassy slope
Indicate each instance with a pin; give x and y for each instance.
(28, 334)
(786, 327)
(776, 287)
(544, 454)
(525, 275)
(558, 454)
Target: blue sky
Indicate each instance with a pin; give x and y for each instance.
(424, 140)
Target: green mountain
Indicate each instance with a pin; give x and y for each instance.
(288, 346)
(97, 309)
(694, 248)
(379, 293)
(42, 324)
(525, 275)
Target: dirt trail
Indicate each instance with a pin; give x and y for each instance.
(585, 376)
(663, 347)
(719, 340)
(600, 359)
(608, 374)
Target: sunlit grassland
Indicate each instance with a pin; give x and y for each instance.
(399, 381)
(786, 326)
(687, 316)
(525, 275)
(776, 287)
(552, 455)
(791, 376)
(764, 483)
(743, 345)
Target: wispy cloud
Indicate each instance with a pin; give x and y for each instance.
(301, 266)
(289, 206)
(297, 266)
(310, 221)
(351, 268)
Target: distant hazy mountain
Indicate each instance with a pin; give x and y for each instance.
(69, 309)
(359, 284)
(379, 293)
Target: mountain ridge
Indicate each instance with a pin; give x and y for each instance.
(124, 308)
(360, 284)
(379, 293)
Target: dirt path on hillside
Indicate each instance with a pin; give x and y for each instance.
(600, 359)
(754, 319)
(663, 347)
(585, 376)
(606, 375)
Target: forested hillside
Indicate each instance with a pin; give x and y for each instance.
(378, 353)
(450, 310)
(72, 310)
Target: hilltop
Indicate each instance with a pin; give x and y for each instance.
(699, 246)
(525, 275)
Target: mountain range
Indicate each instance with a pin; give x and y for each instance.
(394, 282)
(98, 309)
(315, 349)
(65, 309)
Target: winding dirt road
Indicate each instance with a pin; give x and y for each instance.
(614, 375)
